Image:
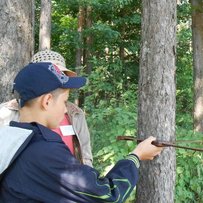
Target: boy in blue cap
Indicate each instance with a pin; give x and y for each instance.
(73, 128)
(42, 168)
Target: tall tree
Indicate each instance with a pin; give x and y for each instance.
(88, 41)
(156, 103)
(79, 48)
(197, 39)
(45, 25)
(16, 41)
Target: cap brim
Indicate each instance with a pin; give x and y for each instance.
(75, 82)
(68, 72)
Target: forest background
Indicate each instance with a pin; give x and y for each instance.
(102, 39)
(109, 45)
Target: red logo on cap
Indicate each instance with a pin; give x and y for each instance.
(57, 69)
(60, 75)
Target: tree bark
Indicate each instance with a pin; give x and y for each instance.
(156, 99)
(89, 40)
(197, 39)
(16, 41)
(45, 25)
(79, 49)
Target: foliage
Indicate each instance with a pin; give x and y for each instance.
(108, 121)
(184, 72)
(189, 171)
(111, 95)
(64, 32)
(107, 31)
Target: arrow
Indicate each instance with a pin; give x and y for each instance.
(159, 143)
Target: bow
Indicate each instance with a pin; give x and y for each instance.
(159, 143)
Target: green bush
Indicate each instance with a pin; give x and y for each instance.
(189, 171)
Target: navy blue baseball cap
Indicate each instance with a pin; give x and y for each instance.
(37, 79)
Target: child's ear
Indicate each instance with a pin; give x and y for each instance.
(46, 100)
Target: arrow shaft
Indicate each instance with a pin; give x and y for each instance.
(159, 143)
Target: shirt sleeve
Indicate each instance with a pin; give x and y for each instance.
(62, 176)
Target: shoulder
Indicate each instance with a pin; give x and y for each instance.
(48, 154)
(11, 105)
(13, 143)
(8, 112)
(45, 143)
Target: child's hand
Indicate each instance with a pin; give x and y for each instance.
(146, 150)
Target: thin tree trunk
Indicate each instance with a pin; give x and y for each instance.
(122, 57)
(121, 46)
(156, 103)
(45, 25)
(88, 40)
(79, 49)
(16, 41)
(197, 39)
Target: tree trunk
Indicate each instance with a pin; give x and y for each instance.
(197, 38)
(156, 103)
(16, 41)
(88, 40)
(79, 49)
(45, 25)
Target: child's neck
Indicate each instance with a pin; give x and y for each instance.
(28, 115)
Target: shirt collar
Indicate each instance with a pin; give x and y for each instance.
(47, 134)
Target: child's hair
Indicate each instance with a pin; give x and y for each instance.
(55, 93)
